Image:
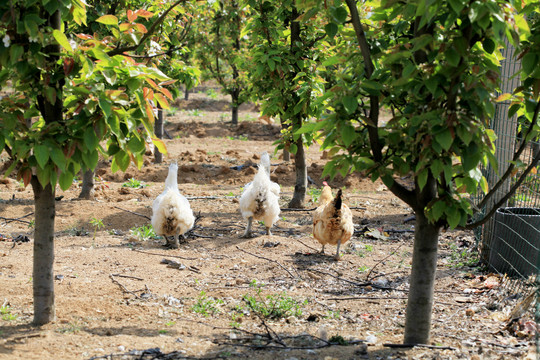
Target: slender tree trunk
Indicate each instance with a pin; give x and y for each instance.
(158, 130)
(422, 281)
(300, 188)
(186, 93)
(234, 106)
(87, 190)
(43, 277)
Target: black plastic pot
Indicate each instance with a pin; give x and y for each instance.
(516, 241)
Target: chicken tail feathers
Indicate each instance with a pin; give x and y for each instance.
(338, 200)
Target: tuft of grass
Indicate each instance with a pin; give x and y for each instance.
(144, 232)
(206, 305)
(315, 194)
(71, 328)
(171, 111)
(212, 94)
(195, 112)
(134, 184)
(5, 311)
(461, 258)
(273, 306)
(97, 224)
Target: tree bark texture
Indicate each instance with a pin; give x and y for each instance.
(300, 187)
(422, 281)
(87, 190)
(235, 95)
(158, 130)
(43, 277)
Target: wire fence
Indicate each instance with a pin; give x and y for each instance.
(509, 242)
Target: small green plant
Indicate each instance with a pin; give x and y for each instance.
(170, 323)
(236, 317)
(240, 137)
(97, 224)
(206, 305)
(212, 94)
(71, 328)
(369, 248)
(248, 117)
(144, 232)
(5, 311)
(333, 314)
(134, 184)
(32, 224)
(363, 268)
(195, 112)
(338, 339)
(315, 194)
(460, 258)
(163, 331)
(172, 111)
(273, 306)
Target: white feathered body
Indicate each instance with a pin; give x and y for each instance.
(171, 212)
(260, 198)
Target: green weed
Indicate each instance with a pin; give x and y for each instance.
(5, 311)
(315, 194)
(144, 232)
(273, 306)
(206, 306)
(134, 184)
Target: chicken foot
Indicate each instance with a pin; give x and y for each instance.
(337, 251)
(175, 242)
(247, 234)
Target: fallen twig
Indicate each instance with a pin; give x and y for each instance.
(127, 276)
(341, 279)
(379, 262)
(132, 212)
(124, 289)
(164, 255)
(267, 259)
(420, 345)
(309, 247)
(8, 220)
(294, 209)
(368, 298)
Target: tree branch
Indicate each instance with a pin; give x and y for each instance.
(373, 132)
(148, 34)
(512, 165)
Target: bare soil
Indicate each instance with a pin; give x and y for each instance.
(114, 295)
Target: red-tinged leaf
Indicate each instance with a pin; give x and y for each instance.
(167, 93)
(149, 113)
(141, 28)
(124, 27)
(160, 145)
(168, 82)
(162, 101)
(503, 97)
(144, 13)
(131, 16)
(148, 94)
(79, 108)
(84, 36)
(69, 63)
(26, 176)
(152, 83)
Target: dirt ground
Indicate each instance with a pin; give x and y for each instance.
(115, 296)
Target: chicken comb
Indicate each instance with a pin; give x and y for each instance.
(325, 183)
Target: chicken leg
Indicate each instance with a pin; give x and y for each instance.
(337, 251)
(247, 234)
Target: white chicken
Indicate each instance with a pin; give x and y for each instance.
(171, 213)
(260, 198)
(332, 220)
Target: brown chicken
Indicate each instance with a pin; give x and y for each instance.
(332, 220)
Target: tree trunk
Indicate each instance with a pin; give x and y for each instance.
(422, 281)
(186, 93)
(158, 130)
(43, 277)
(300, 187)
(87, 190)
(235, 105)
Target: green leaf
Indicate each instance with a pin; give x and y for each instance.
(452, 57)
(529, 62)
(422, 178)
(41, 152)
(484, 185)
(105, 105)
(489, 45)
(61, 38)
(456, 5)
(340, 14)
(65, 180)
(432, 83)
(437, 209)
(90, 159)
(347, 134)
(122, 160)
(15, 53)
(470, 157)
(271, 64)
(90, 139)
(453, 217)
(44, 175)
(108, 20)
(387, 180)
(350, 104)
(50, 94)
(58, 157)
(331, 29)
(445, 139)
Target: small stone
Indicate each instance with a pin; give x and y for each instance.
(121, 348)
(371, 340)
(469, 312)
